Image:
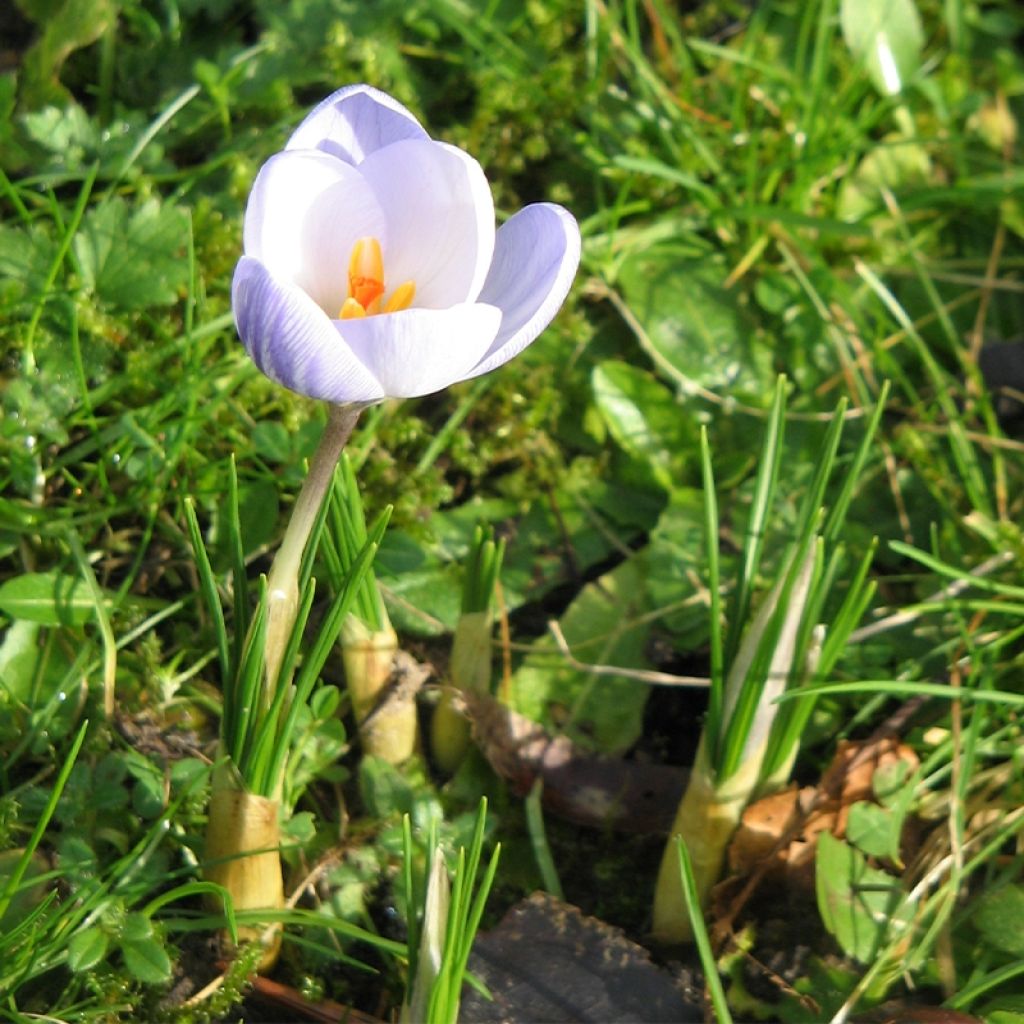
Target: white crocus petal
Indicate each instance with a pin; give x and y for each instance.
(304, 215)
(440, 218)
(536, 255)
(354, 122)
(294, 342)
(420, 351)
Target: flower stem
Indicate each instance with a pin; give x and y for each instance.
(283, 582)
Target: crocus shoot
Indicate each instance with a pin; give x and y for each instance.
(749, 740)
(441, 932)
(384, 710)
(263, 696)
(371, 270)
(469, 669)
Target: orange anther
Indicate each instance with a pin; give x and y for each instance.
(401, 297)
(366, 284)
(351, 310)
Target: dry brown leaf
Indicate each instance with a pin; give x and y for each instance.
(778, 835)
(601, 792)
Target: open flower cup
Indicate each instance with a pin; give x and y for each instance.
(372, 267)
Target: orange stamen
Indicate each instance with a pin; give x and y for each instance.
(366, 284)
(401, 297)
(351, 310)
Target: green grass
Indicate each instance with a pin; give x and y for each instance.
(753, 203)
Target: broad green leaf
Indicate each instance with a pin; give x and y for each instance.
(25, 257)
(136, 928)
(19, 656)
(675, 561)
(77, 859)
(694, 324)
(887, 37)
(148, 791)
(258, 509)
(30, 892)
(108, 791)
(895, 164)
(857, 902)
(563, 532)
(602, 711)
(147, 960)
(890, 781)
(186, 772)
(133, 259)
(383, 788)
(288, 449)
(644, 418)
(87, 948)
(324, 702)
(66, 130)
(271, 440)
(66, 27)
(999, 916)
(437, 591)
(1004, 1016)
(870, 828)
(49, 598)
(299, 829)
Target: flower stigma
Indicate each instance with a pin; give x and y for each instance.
(366, 284)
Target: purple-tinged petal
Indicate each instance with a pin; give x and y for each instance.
(305, 212)
(420, 351)
(292, 340)
(440, 218)
(536, 255)
(354, 122)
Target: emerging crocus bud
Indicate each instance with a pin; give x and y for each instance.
(432, 940)
(469, 670)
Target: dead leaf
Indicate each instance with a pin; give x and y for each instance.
(758, 840)
(778, 835)
(601, 792)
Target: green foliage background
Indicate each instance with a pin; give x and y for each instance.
(754, 200)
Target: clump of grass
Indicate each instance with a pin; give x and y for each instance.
(470, 667)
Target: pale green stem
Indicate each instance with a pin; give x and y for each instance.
(283, 581)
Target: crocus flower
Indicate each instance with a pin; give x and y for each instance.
(372, 267)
